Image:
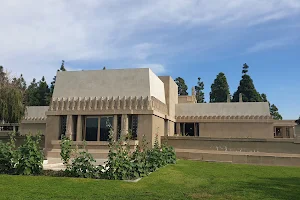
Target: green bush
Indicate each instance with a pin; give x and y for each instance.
(66, 150)
(30, 158)
(82, 166)
(8, 156)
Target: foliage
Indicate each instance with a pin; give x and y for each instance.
(82, 166)
(199, 91)
(182, 87)
(8, 156)
(298, 121)
(264, 97)
(119, 165)
(219, 89)
(246, 88)
(65, 149)
(37, 94)
(274, 112)
(12, 108)
(30, 159)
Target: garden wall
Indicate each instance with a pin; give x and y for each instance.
(20, 140)
(290, 146)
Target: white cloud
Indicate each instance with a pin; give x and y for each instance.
(37, 35)
(269, 44)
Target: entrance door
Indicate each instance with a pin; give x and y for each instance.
(105, 122)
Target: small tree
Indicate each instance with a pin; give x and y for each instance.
(182, 87)
(246, 88)
(298, 121)
(219, 89)
(274, 112)
(199, 91)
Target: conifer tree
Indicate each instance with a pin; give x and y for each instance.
(274, 112)
(182, 87)
(219, 89)
(199, 91)
(247, 88)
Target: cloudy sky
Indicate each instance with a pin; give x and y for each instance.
(187, 38)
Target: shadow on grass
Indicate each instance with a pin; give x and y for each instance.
(275, 188)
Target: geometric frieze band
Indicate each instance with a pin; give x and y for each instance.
(107, 103)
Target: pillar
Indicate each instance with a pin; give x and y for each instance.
(195, 130)
(124, 125)
(14, 128)
(283, 129)
(79, 128)
(183, 131)
(178, 128)
(199, 129)
(69, 131)
(115, 126)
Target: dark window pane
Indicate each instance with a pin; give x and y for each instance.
(63, 126)
(91, 129)
(105, 122)
(119, 122)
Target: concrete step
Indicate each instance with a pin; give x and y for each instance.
(257, 158)
(96, 153)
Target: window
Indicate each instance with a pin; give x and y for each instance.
(119, 126)
(287, 132)
(105, 122)
(97, 128)
(133, 125)
(91, 129)
(63, 126)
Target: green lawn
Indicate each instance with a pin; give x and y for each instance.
(185, 180)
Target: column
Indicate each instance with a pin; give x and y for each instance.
(283, 129)
(14, 128)
(178, 128)
(183, 131)
(195, 130)
(115, 126)
(69, 131)
(124, 125)
(79, 128)
(199, 130)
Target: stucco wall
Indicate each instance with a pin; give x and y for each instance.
(297, 130)
(157, 88)
(171, 94)
(145, 127)
(32, 128)
(52, 131)
(158, 127)
(109, 83)
(236, 130)
(243, 145)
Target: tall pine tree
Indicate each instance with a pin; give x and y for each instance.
(199, 91)
(32, 95)
(246, 88)
(43, 92)
(182, 87)
(219, 89)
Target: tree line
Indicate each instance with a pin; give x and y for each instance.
(15, 95)
(220, 91)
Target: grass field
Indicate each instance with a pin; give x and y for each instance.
(185, 180)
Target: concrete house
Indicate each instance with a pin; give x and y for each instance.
(138, 101)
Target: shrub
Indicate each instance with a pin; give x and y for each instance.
(140, 164)
(30, 159)
(66, 150)
(119, 164)
(82, 166)
(8, 156)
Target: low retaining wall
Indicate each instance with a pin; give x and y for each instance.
(20, 140)
(290, 146)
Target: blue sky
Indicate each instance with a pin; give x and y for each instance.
(187, 38)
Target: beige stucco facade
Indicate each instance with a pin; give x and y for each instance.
(138, 101)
